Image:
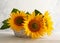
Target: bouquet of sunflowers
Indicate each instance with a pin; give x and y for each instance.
(33, 25)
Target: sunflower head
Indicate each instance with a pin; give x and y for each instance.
(48, 23)
(16, 20)
(34, 26)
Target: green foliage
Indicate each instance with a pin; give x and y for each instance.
(5, 25)
(37, 12)
(27, 13)
(15, 10)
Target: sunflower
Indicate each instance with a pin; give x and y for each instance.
(34, 26)
(48, 23)
(16, 20)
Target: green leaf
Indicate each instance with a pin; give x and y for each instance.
(5, 25)
(36, 12)
(27, 13)
(15, 10)
(5, 21)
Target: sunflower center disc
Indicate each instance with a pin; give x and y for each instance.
(34, 26)
(19, 21)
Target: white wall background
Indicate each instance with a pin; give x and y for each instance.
(29, 5)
